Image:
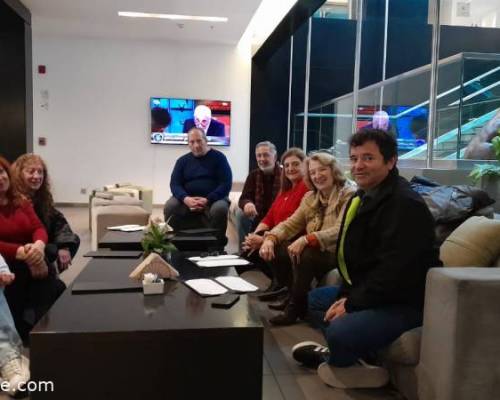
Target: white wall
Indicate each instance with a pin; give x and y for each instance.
(97, 121)
(483, 13)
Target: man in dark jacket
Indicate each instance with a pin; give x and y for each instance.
(385, 247)
(260, 189)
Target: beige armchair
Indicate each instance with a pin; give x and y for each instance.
(454, 355)
(108, 192)
(138, 192)
(118, 210)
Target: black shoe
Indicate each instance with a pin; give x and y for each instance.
(275, 294)
(280, 305)
(310, 354)
(287, 317)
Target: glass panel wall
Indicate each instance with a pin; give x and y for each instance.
(333, 39)
(468, 122)
(395, 78)
(395, 95)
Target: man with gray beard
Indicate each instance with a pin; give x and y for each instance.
(261, 187)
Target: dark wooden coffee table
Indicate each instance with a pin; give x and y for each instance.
(131, 346)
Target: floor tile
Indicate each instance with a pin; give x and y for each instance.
(270, 389)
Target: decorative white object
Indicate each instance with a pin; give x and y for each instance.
(151, 284)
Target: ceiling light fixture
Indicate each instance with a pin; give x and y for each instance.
(174, 17)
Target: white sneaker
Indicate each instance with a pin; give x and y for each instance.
(16, 372)
(310, 354)
(361, 375)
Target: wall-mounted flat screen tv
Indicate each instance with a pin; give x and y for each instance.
(172, 118)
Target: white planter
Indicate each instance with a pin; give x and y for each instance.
(153, 288)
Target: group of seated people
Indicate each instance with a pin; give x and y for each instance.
(36, 243)
(300, 219)
(297, 220)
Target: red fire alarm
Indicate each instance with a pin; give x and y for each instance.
(41, 69)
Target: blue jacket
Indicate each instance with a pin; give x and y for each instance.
(208, 176)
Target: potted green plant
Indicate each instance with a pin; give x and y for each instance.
(487, 176)
(158, 240)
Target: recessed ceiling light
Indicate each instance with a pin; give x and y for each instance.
(174, 17)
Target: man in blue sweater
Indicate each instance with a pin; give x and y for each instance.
(200, 185)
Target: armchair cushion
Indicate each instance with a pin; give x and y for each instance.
(117, 201)
(474, 243)
(103, 195)
(405, 349)
(460, 348)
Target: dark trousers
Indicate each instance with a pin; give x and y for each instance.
(215, 216)
(359, 334)
(313, 263)
(28, 294)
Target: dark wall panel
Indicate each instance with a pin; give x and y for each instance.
(15, 83)
(332, 59)
(269, 101)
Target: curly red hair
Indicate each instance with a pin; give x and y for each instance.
(42, 198)
(12, 195)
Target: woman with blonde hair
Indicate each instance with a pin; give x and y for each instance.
(313, 230)
(31, 179)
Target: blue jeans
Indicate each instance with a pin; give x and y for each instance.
(359, 334)
(10, 342)
(244, 225)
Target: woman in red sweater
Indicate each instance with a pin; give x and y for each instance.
(22, 243)
(286, 202)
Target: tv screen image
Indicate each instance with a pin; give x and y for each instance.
(171, 119)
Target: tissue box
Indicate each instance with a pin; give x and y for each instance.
(153, 287)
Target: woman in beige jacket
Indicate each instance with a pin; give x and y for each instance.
(303, 246)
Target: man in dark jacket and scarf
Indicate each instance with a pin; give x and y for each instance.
(385, 248)
(260, 189)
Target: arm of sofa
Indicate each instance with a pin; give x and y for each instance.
(460, 339)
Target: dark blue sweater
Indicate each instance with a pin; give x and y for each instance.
(208, 176)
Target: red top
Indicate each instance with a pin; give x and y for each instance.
(19, 226)
(285, 204)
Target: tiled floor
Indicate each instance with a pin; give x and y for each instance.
(283, 378)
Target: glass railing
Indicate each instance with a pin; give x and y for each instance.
(468, 97)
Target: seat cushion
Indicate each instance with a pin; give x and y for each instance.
(117, 201)
(475, 243)
(405, 349)
(233, 198)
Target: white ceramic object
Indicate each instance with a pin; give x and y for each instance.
(153, 287)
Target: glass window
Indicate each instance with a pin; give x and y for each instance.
(333, 39)
(469, 117)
